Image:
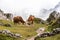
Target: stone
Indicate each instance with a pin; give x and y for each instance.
(56, 31)
(51, 34)
(17, 35)
(11, 34)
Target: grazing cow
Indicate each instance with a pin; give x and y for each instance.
(18, 19)
(30, 19)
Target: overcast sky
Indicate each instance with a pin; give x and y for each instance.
(26, 7)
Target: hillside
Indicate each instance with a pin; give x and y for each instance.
(53, 22)
(25, 31)
(28, 31)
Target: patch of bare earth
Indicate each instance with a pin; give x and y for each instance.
(39, 31)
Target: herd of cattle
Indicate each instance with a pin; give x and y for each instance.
(19, 19)
(48, 34)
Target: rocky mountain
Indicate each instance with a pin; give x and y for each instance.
(57, 23)
(45, 13)
(53, 15)
(54, 20)
(5, 16)
(54, 24)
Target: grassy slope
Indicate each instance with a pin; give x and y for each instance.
(24, 30)
(48, 28)
(6, 37)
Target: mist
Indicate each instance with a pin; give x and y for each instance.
(24, 8)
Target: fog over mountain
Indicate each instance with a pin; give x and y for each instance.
(24, 8)
(45, 13)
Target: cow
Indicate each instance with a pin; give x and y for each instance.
(18, 19)
(30, 19)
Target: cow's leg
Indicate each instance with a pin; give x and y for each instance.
(19, 22)
(32, 22)
(14, 22)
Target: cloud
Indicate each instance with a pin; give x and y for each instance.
(27, 7)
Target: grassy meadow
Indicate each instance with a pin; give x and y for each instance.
(25, 31)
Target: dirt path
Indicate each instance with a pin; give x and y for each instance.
(39, 31)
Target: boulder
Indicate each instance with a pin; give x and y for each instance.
(44, 34)
(51, 34)
(17, 35)
(7, 32)
(11, 34)
(56, 31)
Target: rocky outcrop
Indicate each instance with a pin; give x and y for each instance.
(9, 16)
(48, 34)
(9, 33)
(54, 20)
(56, 24)
(5, 16)
(2, 15)
(53, 16)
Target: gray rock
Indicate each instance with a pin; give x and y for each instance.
(17, 35)
(51, 34)
(44, 34)
(5, 31)
(11, 34)
(56, 31)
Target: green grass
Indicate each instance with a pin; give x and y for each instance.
(25, 31)
(6, 37)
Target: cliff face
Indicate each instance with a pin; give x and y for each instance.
(5, 16)
(56, 24)
(2, 15)
(53, 16)
(54, 20)
(9, 16)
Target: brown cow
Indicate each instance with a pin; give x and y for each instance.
(18, 19)
(30, 19)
